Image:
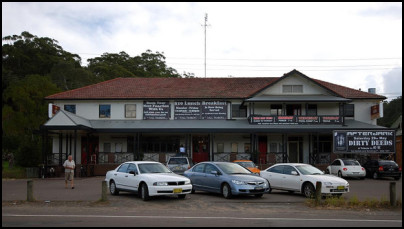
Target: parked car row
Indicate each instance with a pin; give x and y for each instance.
(230, 179)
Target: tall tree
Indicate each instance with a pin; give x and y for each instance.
(391, 111)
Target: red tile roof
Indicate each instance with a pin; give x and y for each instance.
(168, 88)
(191, 88)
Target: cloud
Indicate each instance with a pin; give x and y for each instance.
(393, 81)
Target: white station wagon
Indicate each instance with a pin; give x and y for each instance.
(302, 178)
(147, 179)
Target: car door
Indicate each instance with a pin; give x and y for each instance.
(131, 179)
(119, 176)
(196, 176)
(291, 178)
(274, 176)
(212, 181)
(335, 167)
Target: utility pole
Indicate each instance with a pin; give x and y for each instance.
(206, 20)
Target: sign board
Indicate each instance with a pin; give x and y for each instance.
(52, 110)
(294, 120)
(364, 141)
(375, 112)
(196, 110)
(156, 110)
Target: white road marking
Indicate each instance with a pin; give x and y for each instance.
(204, 217)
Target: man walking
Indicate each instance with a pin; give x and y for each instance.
(69, 171)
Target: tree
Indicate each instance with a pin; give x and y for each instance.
(148, 64)
(391, 110)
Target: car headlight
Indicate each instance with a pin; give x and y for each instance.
(327, 183)
(160, 183)
(188, 182)
(238, 182)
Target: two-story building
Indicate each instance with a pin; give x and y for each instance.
(269, 120)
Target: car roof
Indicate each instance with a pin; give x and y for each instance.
(145, 162)
(294, 164)
(242, 161)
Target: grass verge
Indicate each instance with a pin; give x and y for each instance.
(16, 172)
(354, 203)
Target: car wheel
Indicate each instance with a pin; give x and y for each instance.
(308, 190)
(112, 188)
(375, 175)
(181, 196)
(144, 192)
(340, 174)
(397, 178)
(226, 191)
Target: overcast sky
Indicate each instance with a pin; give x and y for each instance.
(358, 45)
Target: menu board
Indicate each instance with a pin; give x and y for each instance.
(196, 110)
(187, 110)
(156, 110)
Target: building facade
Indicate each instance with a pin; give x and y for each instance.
(269, 120)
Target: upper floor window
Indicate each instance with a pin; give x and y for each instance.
(105, 111)
(130, 110)
(238, 111)
(347, 110)
(276, 109)
(70, 108)
(311, 109)
(292, 88)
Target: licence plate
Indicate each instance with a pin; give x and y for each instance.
(258, 188)
(341, 187)
(177, 190)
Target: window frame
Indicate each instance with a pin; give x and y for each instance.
(107, 115)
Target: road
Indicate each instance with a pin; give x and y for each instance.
(67, 207)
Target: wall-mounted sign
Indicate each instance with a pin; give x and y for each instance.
(364, 141)
(375, 112)
(156, 110)
(52, 110)
(294, 120)
(195, 110)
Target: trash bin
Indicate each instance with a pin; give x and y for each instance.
(32, 172)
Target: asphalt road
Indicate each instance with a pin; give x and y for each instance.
(57, 206)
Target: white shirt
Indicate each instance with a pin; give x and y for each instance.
(70, 164)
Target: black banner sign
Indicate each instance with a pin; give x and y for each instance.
(371, 141)
(156, 110)
(192, 110)
(294, 120)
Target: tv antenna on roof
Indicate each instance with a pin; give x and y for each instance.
(206, 20)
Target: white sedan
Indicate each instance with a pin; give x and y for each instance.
(346, 168)
(302, 178)
(147, 179)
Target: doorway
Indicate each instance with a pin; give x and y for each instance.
(262, 148)
(293, 151)
(200, 148)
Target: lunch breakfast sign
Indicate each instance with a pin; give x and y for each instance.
(364, 141)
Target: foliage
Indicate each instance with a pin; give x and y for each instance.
(392, 110)
(35, 67)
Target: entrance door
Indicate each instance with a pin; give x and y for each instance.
(293, 152)
(262, 148)
(200, 148)
(92, 149)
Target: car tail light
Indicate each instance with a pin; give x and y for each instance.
(380, 168)
(399, 169)
(345, 169)
(363, 169)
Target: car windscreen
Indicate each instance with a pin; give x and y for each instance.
(391, 163)
(351, 163)
(246, 164)
(153, 168)
(308, 170)
(176, 161)
(230, 168)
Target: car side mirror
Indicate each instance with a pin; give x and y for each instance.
(294, 173)
(216, 173)
(132, 172)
